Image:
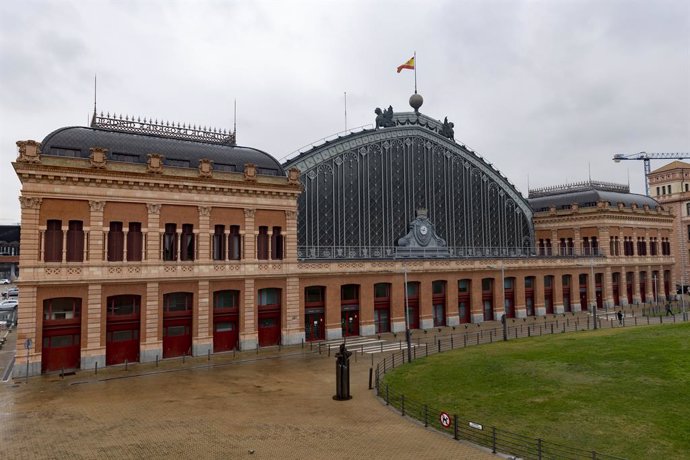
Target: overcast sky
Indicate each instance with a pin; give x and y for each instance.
(544, 90)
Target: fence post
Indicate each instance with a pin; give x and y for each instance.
(451, 341)
(126, 364)
(493, 439)
(439, 345)
(464, 340)
(156, 360)
(95, 368)
(426, 415)
(539, 449)
(402, 405)
(387, 396)
(455, 427)
(594, 455)
(414, 352)
(516, 333)
(551, 328)
(426, 349)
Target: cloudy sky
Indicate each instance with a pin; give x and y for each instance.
(545, 90)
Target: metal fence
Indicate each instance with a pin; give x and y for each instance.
(498, 440)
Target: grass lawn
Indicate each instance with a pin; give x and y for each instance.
(624, 392)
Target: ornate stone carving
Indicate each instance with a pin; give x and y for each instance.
(447, 129)
(204, 211)
(29, 151)
(290, 214)
(155, 163)
(384, 118)
(96, 206)
(154, 208)
(249, 212)
(27, 202)
(293, 176)
(98, 157)
(250, 172)
(205, 167)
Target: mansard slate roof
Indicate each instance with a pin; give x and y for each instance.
(586, 194)
(135, 147)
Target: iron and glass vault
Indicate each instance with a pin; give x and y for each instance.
(363, 191)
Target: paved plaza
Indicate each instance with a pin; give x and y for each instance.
(270, 405)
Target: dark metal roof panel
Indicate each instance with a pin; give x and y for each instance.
(587, 198)
(138, 146)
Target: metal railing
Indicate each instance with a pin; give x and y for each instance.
(499, 440)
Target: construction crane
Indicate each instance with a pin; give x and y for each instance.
(646, 157)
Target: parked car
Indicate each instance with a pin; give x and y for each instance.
(7, 305)
(12, 292)
(5, 281)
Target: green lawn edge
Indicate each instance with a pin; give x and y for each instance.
(624, 392)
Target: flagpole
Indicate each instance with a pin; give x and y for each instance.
(415, 72)
(345, 110)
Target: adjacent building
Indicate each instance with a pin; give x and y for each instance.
(143, 241)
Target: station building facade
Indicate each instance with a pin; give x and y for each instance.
(143, 241)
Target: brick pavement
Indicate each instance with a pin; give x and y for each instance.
(273, 407)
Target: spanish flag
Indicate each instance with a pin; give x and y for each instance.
(408, 65)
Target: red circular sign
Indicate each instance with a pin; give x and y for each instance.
(445, 420)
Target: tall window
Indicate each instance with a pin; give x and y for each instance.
(687, 207)
(170, 242)
(235, 243)
(116, 240)
(219, 242)
(262, 244)
(135, 241)
(276, 244)
(75, 241)
(187, 247)
(53, 241)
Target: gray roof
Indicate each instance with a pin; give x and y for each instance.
(589, 198)
(134, 148)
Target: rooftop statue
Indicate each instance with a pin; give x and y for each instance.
(384, 119)
(447, 129)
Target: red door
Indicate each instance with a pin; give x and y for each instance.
(122, 342)
(314, 325)
(349, 320)
(61, 349)
(269, 328)
(224, 333)
(177, 337)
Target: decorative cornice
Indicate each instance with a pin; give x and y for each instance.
(28, 202)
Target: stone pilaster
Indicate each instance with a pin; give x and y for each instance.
(636, 284)
(290, 237)
(152, 337)
(293, 332)
(334, 329)
(558, 293)
(96, 241)
(608, 288)
(202, 338)
(476, 303)
(539, 306)
(519, 299)
(93, 323)
(249, 338)
(249, 235)
(153, 252)
(205, 234)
